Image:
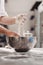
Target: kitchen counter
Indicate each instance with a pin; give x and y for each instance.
(10, 57)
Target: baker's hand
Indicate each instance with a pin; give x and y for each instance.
(21, 18)
(12, 34)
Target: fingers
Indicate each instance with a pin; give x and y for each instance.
(16, 35)
(22, 17)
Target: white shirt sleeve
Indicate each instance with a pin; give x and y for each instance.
(2, 8)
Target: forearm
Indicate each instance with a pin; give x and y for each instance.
(2, 30)
(7, 20)
(7, 32)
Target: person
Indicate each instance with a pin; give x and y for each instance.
(6, 20)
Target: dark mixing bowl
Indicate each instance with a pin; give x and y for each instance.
(20, 44)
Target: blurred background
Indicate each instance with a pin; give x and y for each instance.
(32, 29)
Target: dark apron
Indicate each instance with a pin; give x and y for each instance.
(3, 37)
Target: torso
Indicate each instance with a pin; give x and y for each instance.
(2, 8)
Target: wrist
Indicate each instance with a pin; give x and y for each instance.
(16, 19)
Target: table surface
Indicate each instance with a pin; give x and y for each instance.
(10, 57)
